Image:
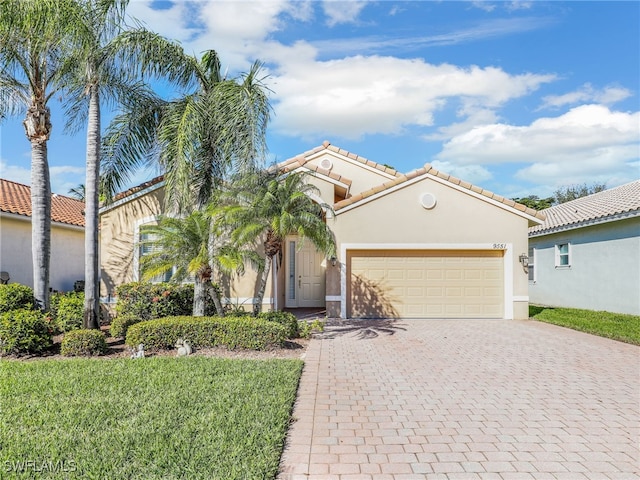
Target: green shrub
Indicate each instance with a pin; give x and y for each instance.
(231, 332)
(24, 331)
(121, 323)
(54, 303)
(286, 319)
(70, 312)
(15, 296)
(83, 343)
(307, 328)
(147, 301)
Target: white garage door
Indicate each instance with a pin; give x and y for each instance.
(426, 284)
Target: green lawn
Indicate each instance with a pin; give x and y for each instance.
(617, 326)
(162, 417)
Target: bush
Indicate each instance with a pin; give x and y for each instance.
(121, 323)
(24, 331)
(70, 312)
(307, 328)
(286, 319)
(231, 332)
(147, 301)
(15, 296)
(83, 343)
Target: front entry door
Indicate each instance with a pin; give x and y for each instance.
(305, 275)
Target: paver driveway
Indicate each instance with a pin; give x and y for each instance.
(458, 399)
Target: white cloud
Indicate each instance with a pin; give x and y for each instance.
(360, 95)
(65, 177)
(484, 5)
(587, 94)
(342, 12)
(62, 177)
(587, 143)
(15, 173)
(472, 117)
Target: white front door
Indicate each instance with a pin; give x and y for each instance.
(305, 283)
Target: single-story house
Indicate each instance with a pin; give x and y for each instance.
(67, 237)
(417, 245)
(586, 254)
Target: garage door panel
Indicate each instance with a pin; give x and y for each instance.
(427, 284)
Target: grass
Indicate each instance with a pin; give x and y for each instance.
(195, 418)
(617, 326)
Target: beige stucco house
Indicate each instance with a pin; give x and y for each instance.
(416, 245)
(67, 237)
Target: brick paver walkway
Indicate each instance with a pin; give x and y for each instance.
(471, 400)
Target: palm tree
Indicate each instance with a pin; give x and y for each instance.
(216, 127)
(271, 205)
(198, 139)
(33, 37)
(104, 65)
(181, 246)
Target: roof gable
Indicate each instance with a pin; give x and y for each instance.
(614, 203)
(428, 171)
(326, 146)
(15, 198)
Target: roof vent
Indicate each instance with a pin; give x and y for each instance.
(428, 200)
(326, 164)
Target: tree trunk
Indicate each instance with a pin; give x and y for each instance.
(257, 306)
(92, 182)
(38, 128)
(216, 300)
(211, 252)
(200, 289)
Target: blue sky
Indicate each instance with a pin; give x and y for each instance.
(517, 97)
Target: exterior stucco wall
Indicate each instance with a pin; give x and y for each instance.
(604, 273)
(457, 219)
(117, 238)
(67, 253)
(362, 177)
(118, 257)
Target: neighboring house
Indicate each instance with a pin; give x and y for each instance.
(420, 245)
(587, 253)
(67, 237)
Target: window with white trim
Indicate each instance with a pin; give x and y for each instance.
(532, 265)
(146, 248)
(563, 255)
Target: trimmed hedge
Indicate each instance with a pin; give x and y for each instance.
(14, 296)
(70, 312)
(231, 332)
(24, 332)
(286, 319)
(83, 342)
(121, 323)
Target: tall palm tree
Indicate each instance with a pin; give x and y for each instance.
(217, 126)
(181, 246)
(268, 207)
(33, 37)
(104, 65)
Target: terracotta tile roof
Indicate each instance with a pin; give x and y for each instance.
(428, 169)
(298, 162)
(304, 158)
(16, 198)
(138, 188)
(615, 201)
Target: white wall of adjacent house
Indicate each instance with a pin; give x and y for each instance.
(594, 268)
(67, 252)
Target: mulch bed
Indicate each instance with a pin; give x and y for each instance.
(117, 349)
